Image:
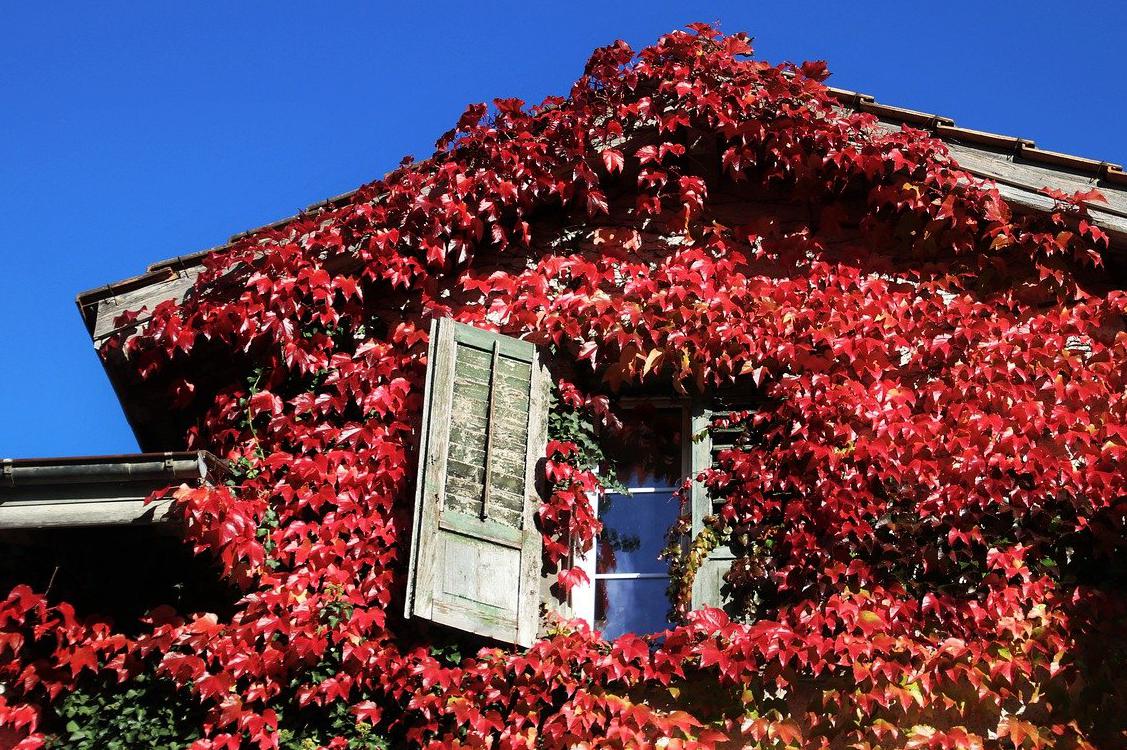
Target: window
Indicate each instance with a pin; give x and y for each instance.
(627, 593)
(476, 552)
(670, 440)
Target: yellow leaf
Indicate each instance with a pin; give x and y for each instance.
(1002, 240)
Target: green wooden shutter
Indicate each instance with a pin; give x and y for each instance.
(476, 551)
(709, 581)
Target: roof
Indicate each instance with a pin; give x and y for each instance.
(179, 265)
(96, 490)
(1023, 149)
(1018, 167)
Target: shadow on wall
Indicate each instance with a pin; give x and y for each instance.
(119, 572)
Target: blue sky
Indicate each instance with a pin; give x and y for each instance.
(133, 132)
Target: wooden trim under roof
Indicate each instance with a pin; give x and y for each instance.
(945, 128)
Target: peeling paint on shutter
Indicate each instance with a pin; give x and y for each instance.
(475, 551)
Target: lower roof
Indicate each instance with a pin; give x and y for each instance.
(97, 490)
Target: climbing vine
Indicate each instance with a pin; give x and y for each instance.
(929, 509)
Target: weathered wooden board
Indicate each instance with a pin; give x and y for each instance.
(100, 507)
(709, 580)
(708, 585)
(1009, 168)
(1020, 181)
(173, 286)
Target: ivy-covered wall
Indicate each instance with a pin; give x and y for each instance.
(928, 507)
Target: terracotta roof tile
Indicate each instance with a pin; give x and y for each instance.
(945, 128)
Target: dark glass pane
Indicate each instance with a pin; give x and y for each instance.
(647, 452)
(631, 605)
(634, 529)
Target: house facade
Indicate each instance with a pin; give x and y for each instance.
(708, 407)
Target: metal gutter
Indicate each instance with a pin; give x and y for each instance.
(135, 467)
(97, 490)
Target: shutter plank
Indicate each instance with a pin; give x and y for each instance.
(477, 551)
(537, 431)
(490, 427)
(430, 492)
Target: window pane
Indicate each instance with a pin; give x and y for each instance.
(634, 529)
(648, 450)
(631, 605)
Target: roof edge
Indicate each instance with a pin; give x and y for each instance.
(945, 128)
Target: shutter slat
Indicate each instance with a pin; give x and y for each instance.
(476, 551)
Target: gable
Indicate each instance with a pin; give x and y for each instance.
(1020, 170)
